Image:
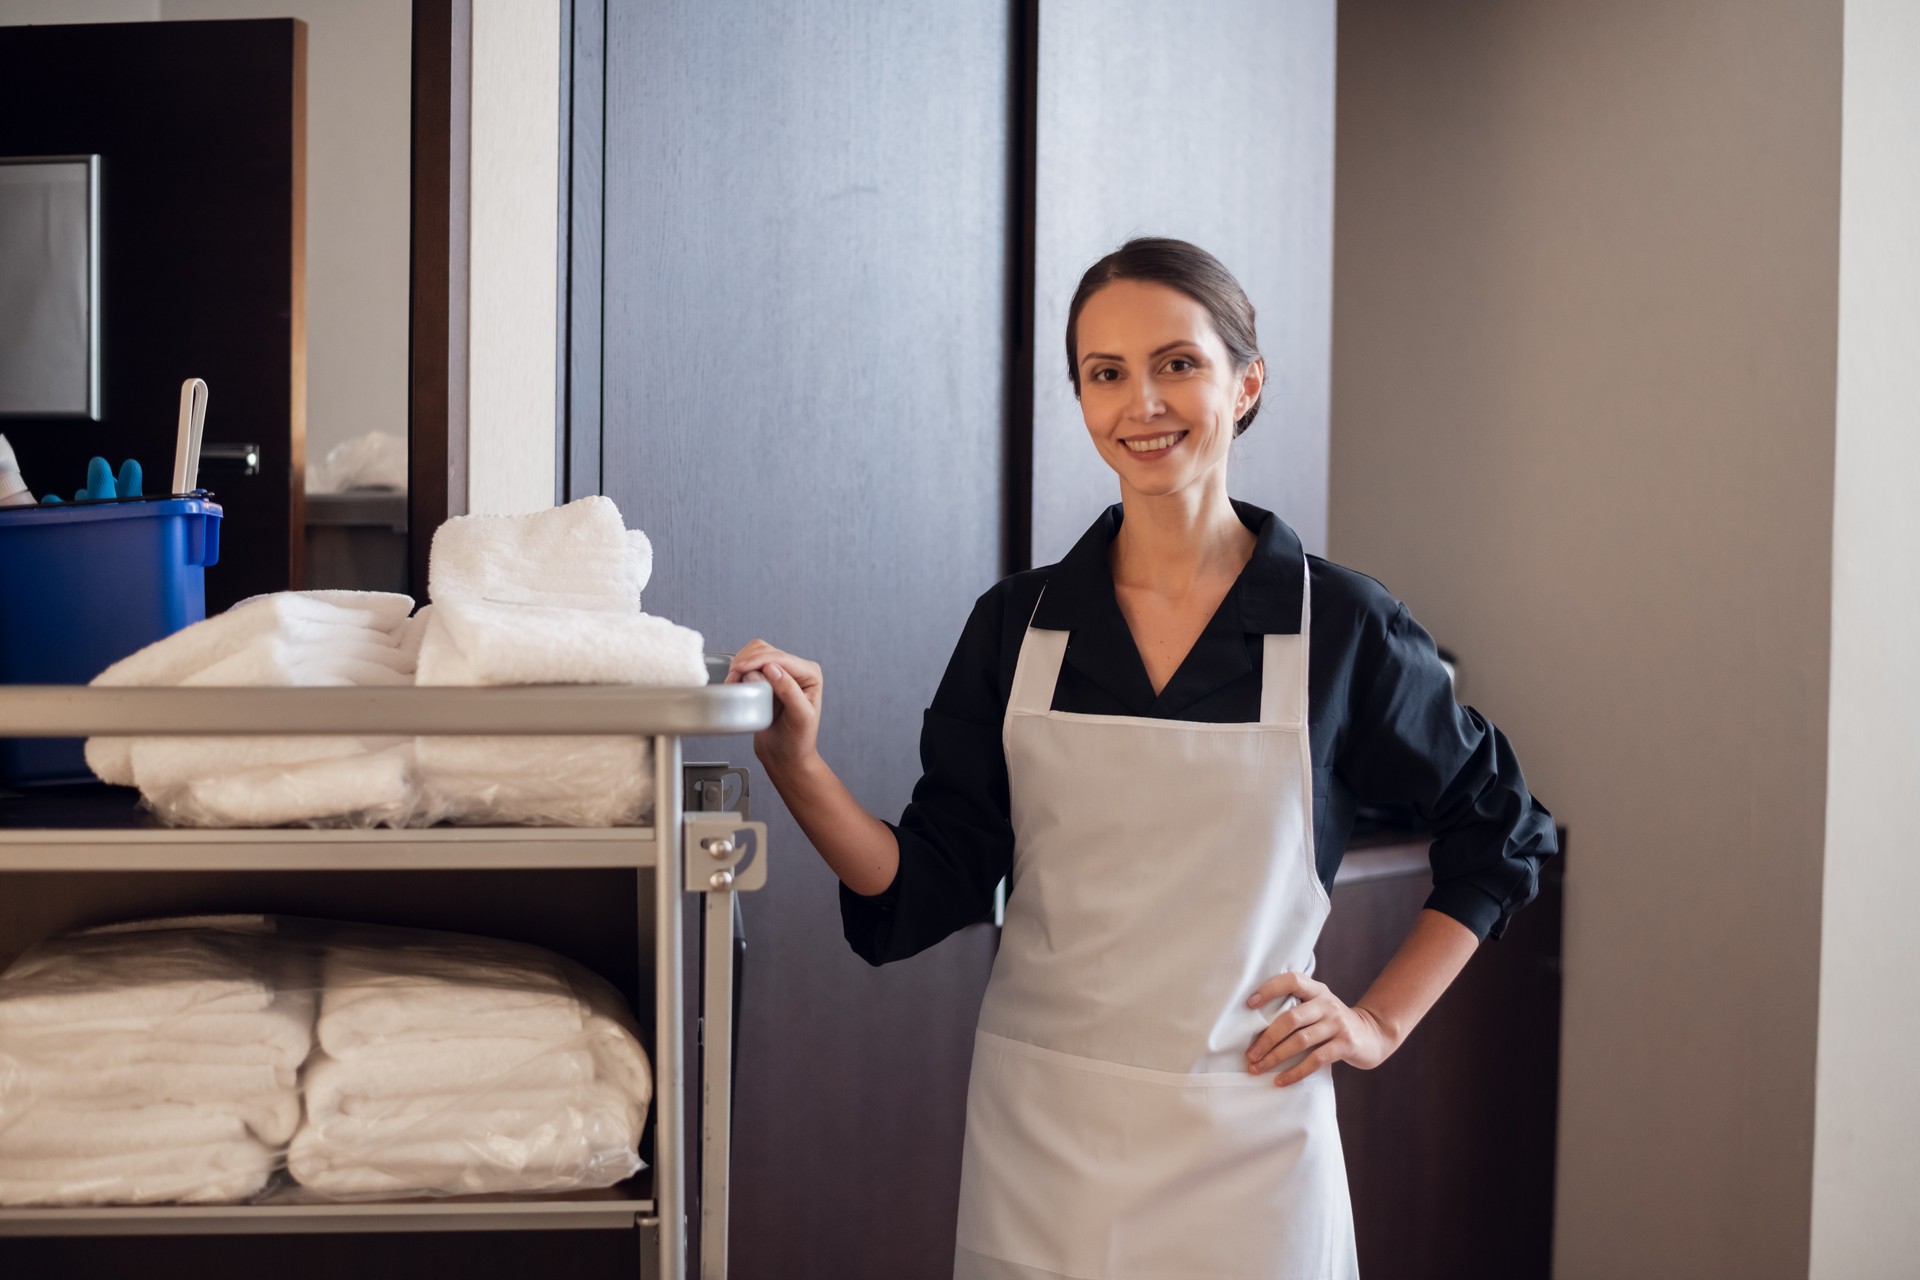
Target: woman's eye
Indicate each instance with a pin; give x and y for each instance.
(1180, 364)
(1105, 375)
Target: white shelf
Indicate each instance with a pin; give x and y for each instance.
(615, 1209)
(432, 848)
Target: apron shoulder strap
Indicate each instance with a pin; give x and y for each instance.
(1038, 669)
(1283, 665)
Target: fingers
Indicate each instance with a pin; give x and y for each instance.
(1316, 1031)
(787, 689)
(1297, 985)
(1267, 1047)
(756, 654)
(1325, 1056)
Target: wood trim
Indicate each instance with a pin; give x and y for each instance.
(1024, 132)
(297, 363)
(579, 438)
(437, 337)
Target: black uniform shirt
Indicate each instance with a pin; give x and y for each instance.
(1383, 724)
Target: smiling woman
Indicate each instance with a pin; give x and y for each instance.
(1161, 740)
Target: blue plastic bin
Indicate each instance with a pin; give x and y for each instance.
(83, 586)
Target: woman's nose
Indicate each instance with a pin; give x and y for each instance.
(1145, 402)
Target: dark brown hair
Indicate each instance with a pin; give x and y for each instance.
(1191, 270)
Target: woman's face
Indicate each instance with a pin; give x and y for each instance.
(1158, 390)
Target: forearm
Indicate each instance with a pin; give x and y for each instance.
(1429, 960)
(858, 846)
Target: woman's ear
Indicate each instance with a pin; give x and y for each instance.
(1251, 380)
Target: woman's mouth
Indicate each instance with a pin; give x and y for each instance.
(1154, 446)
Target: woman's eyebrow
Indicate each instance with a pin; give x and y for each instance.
(1160, 350)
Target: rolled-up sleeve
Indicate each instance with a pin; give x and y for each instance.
(956, 835)
(1412, 744)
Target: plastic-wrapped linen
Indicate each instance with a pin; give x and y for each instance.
(156, 1062)
(179, 1060)
(456, 1065)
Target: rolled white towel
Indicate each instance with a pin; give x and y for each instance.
(216, 1173)
(574, 557)
(482, 643)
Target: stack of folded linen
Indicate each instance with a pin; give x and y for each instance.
(327, 638)
(549, 598)
(457, 1066)
(155, 1062)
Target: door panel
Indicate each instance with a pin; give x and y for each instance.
(1213, 124)
(807, 247)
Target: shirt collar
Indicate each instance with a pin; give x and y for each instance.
(1265, 597)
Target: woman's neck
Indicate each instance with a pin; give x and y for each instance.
(1170, 544)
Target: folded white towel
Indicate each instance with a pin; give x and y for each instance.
(550, 1158)
(329, 1081)
(159, 763)
(92, 978)
(575, 557)
(289, 637)
(278, 1036)
(360, 1009)
(375, 788)
(487, 1116)
(317, 617)
(52, 1131)
(480, 643)
(156, 1081)
(572, 782)
(215, 1173)
(362, 658)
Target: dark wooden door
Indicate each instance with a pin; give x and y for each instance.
(200, 129)
(807, 249)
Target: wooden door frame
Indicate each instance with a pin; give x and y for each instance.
(437, 315)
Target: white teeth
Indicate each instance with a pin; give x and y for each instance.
(1148, 446)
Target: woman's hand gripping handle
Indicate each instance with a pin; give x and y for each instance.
(858, 846)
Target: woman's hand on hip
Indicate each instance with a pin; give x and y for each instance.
(791, 741)
(1321, 1026)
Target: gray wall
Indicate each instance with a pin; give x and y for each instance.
(1212, 123)
(1583, 421)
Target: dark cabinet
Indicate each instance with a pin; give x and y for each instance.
(1450, 1142)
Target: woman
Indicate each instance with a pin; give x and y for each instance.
(1161, 739)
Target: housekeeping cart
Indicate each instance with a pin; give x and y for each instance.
(70, 859)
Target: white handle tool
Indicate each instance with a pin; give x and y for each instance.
(186, 448)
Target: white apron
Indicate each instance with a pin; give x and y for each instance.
(1162, 871)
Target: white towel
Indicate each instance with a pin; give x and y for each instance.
(160, 763)
(51, 1131)
(478, 643)
(289, 637)
(575, 557)
(488, 1116)
(215, 1173)
(569, 782)
(371, 789)
(551, 1159)
(318, 617)
(369, 1000)
(329, 1081)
